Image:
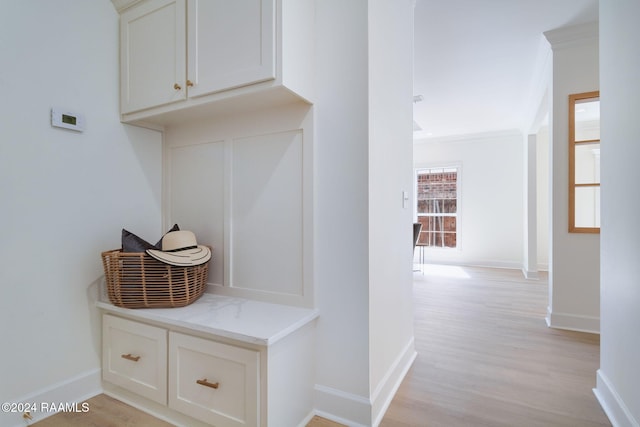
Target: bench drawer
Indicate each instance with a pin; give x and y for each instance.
(214, 382)
(135, 357)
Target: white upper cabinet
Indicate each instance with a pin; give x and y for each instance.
(180, 58)
(231, 43)
(152, 54)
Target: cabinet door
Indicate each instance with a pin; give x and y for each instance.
(231, 44)
(152, 54)
(134, 356)
(213, 382)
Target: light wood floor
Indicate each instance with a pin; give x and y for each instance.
(105, 411)
(485, 358)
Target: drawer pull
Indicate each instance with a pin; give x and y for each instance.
(206, 383)
(130, 357)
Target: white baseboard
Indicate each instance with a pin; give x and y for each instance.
(155, 409)
(613, 406)
(483, 263)
(530, 274)
(358, 411)
(573, 322)
(344, 408)
(384, 392)
(67, 394)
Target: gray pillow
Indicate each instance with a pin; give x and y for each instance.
(133, 243)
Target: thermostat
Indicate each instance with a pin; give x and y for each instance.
(66, 119)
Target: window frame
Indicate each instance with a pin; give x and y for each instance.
(435, 167)
(573, 144)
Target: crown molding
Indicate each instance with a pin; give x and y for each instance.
(575, 35)
(121, 5)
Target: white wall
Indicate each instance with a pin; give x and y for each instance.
(363, 237)
(530, 210)
(65, 195)
(390, 221)
(490, 223)
(575, 257)
(542, 199)
(341, 208)
(618, 386)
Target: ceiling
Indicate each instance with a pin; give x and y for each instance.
(475, 61)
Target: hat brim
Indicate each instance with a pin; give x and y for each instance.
(184, 258)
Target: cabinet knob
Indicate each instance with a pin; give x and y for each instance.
(206, 383)
(189, 83)
(176, 86)
(130, 357)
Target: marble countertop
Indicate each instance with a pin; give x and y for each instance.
(239, 319)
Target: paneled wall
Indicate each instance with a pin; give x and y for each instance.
(243, 184)
(196, 187)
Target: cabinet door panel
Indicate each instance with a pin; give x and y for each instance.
(152, 54)
(135, 357)
(231, 44)
(213, 382)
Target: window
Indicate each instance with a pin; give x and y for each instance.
(437, 206)
(584, 163)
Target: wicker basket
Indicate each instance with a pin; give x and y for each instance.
(136, 280)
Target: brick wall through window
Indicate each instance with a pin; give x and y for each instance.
(437, 206)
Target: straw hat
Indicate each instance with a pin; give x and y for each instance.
(180, 248)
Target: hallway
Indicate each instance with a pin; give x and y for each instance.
(487, 358)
